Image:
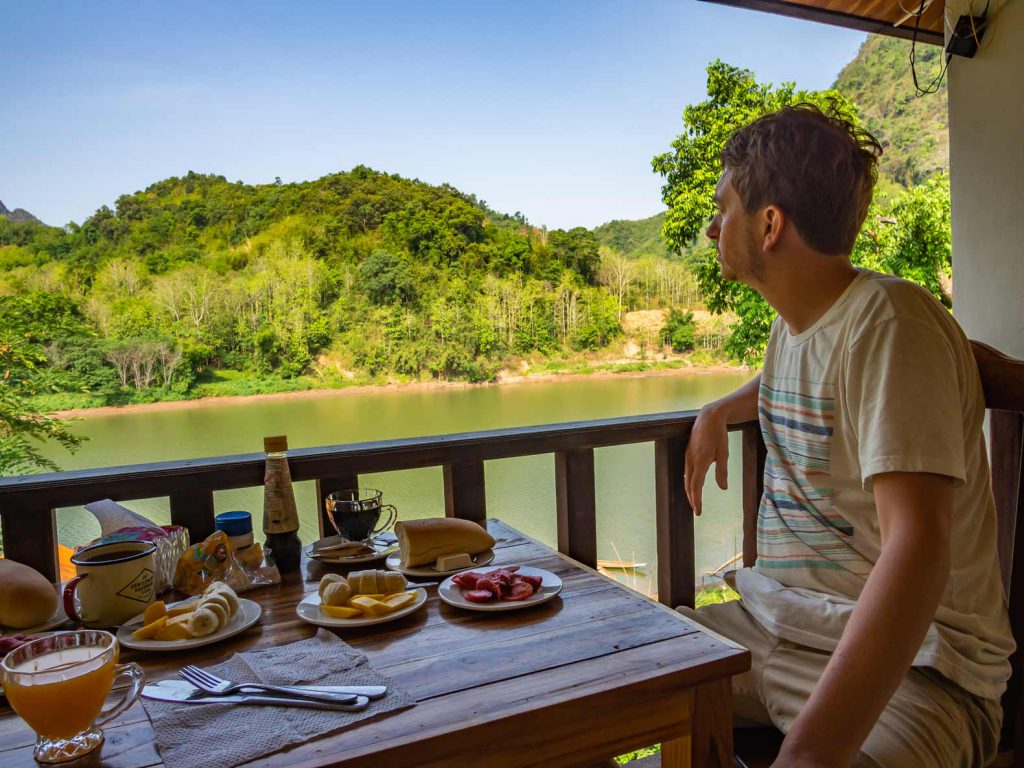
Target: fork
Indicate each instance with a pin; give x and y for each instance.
(210, 683)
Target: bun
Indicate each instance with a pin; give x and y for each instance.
(423, 541)
(26, 597)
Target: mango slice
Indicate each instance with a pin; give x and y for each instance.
(400, 600)
(175, 629)
(340, 611)
(148, 632)
(370, 606)
(153, 612)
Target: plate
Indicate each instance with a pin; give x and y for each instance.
(394, 562)
(248, 614)
(550, 586)
(309, 610)
(382, 548)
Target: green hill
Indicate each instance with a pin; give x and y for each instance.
(633, 239)
(913, 130)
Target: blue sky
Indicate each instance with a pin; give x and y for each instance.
(550, 108)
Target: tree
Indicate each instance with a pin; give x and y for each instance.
(22, 428)
(916, 248)
(679, 331)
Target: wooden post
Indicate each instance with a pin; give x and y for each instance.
(30, 538)
(754, 456)
(674, 521)
(194, 510)
(576, 505)
(325, 486)
(465, 496)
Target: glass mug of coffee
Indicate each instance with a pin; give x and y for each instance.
(355, 513)
(115, 582)
(58, 685)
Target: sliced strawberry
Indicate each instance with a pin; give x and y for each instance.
(533, 581)
(466, 579)
(519, 591)
(478, 595)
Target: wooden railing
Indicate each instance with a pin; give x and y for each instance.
(28, 504)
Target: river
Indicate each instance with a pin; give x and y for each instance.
(520, 491)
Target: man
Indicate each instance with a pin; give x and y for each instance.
(875, 615)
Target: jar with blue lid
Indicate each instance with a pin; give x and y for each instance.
(238, 526)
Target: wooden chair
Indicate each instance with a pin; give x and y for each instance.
(1002, 379)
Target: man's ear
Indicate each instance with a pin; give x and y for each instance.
(773, 222)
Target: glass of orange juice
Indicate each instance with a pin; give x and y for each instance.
(59, 683)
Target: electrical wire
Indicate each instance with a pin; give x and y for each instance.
(933, 86)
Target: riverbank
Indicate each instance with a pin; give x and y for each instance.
(317, 389)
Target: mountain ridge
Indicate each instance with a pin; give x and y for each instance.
(18, 214)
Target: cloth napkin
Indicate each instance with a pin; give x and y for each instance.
(226, 735)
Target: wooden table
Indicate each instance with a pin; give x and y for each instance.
(596, 672)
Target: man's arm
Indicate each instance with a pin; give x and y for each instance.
(887, 626)
(709, 440)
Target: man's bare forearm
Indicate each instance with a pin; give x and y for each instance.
(740, 405)
(876, 650)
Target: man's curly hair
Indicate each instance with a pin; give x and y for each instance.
(815, 165)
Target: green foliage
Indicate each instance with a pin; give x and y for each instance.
(906, 236)
(353, 276)
(679, 331)
(913, 130)
(633, 239)
(22, 428)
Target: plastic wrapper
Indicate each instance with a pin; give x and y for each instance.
(215, 559)
(119, 523)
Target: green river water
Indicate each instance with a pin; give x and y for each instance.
(520, 491)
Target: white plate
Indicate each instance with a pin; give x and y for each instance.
(394, 562)
(248, 614)
(381, 549)
(309, 610)
(549, 587)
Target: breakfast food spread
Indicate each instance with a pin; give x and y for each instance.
(191, 619)
(364, 594)
(26, 597)
(424, 541)
(499, 584)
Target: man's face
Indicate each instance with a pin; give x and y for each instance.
(732, 229)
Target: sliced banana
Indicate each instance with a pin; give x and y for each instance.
(203, 622)
(211, 603)
(336, 593)
(229, 595)
(328, 579)
(392, 582)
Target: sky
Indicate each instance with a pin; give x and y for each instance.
(553, 108)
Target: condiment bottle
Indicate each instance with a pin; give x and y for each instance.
(280, 518)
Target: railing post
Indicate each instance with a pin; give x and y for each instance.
(325, 486)
(674, 521)
(576, 505)
(465, 496)
(30, 538)
(194, 510)
(754, 455)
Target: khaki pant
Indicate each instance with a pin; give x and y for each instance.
(929, 722)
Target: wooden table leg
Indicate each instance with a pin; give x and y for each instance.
(709, 745)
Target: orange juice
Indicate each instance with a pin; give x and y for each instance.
(66, 690)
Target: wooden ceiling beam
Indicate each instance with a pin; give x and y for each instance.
(837, 18)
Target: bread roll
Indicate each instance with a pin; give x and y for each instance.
(26, 597)
(423, 541)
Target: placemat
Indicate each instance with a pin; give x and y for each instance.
(226, 735)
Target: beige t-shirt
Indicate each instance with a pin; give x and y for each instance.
(884, 382)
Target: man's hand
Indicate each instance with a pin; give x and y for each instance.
(709, 440)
